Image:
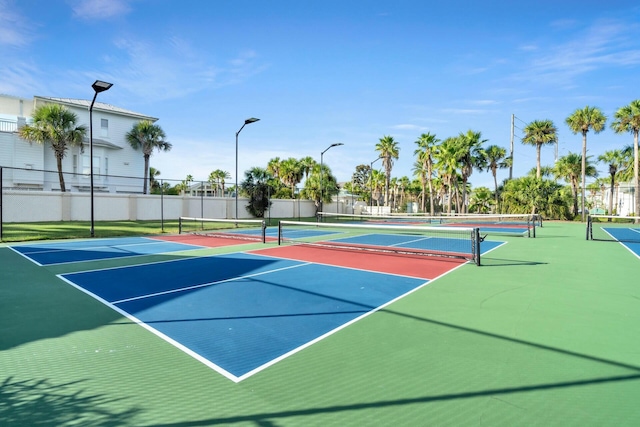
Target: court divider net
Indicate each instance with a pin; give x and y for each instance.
(613, 228)
(245, 229)
(450, 242)
(493, 223)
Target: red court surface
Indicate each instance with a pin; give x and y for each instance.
(424, 267)
(204, 241)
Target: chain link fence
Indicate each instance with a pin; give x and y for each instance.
(33, 204)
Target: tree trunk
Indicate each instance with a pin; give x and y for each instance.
(60, 174)
(584, 168)
(146, 175)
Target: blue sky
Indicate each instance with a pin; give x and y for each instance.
(321, 72)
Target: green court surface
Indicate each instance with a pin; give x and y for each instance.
(546, 333)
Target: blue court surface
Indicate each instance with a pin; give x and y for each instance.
(239, 313)
(628, 237)
(97, 249)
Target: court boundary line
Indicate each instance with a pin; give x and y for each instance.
(637, 255)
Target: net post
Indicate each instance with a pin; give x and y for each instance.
(589, 225)
(279, 233)
(533, 225)
(476, 243)
(180, 225)
(264, 231)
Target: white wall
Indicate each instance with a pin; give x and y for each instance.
(32, 206)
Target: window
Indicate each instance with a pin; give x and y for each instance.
(104, 128)
(86, 165)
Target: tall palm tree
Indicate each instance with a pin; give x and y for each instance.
(581, 121)
(497, 159)
(627, 119)
(291, 173)
(569, 168)
(219, 177)
(447, 164)
(539, 133)
(55, 125)
(273, 167)
(147, 136)
(426, 147)
(307, 164)
(389, 150)
(615, 160)
(471, 157)
(376, 184)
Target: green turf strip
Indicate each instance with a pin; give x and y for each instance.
(544, 333)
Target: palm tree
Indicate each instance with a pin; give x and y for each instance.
(388, 149)
(307, 164)
(376, 185)
(481, 200)
(569, 168)
(539, 133)
(291, 173)
(426, 147)
(219, 177)
(581, 121)
(273, 167)
(153, 174)
(146, 136)
(256, 186)
(497, 159)
(627, 119)
(615, 160)
(313, 184)
(55, 125)
(447, 165)
(471, 157)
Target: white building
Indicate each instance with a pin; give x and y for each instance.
(117, 167)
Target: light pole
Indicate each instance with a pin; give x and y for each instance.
(246, 122)
(98, 86)
(321, 182)
(371, 180)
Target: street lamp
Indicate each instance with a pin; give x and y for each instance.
(98, 86)
(371, 180)
(321, 181)
(246, 122)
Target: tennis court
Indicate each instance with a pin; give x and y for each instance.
(241, 312)
(623, 230)
(535, 335)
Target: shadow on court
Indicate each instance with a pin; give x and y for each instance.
(59, 404)
(274, 418)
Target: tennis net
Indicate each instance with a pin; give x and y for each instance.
(518, 224)
(613, 228)
(451, 242)
(245, 229)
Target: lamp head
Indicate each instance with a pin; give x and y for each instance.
(100, 86)
(250, 120)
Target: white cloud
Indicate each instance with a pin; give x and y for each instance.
(605, 44)
(14, 28)
(99, 9)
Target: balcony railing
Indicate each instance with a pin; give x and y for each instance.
(8, 125)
